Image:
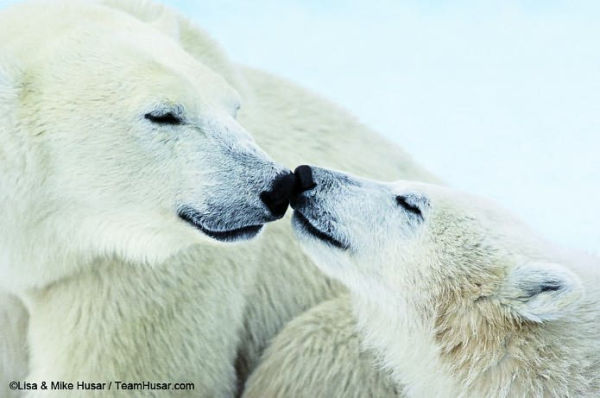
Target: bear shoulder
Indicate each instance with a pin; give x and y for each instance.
(321, 354)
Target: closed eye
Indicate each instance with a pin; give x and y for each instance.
(402, 201)
(164, 118)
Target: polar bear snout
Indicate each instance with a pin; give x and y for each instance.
(278, 198)
(317, 184)
(338, 209)
(307, 195)
(313, 200)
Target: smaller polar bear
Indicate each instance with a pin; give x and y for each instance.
(456, 297)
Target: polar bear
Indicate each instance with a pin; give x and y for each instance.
(455, 297)
(119, 151)
(126, 167)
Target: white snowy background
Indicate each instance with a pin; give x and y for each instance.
(499, 98)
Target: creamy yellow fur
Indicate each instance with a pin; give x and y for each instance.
(460, 301)
(118, 288)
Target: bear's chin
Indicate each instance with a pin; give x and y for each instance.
(233, 235)
(195, 219)
(305, 227)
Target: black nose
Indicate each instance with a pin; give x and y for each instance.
(304, 179)
(278, 198)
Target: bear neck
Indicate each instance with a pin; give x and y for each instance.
(124, 321)
(441, 344)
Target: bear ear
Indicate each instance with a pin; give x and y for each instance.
(153, 13)
(541, 291)
(168, 24)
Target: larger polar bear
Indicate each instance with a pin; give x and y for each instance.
(124, 158)
(456, 297)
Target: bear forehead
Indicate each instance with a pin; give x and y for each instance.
(472, 225)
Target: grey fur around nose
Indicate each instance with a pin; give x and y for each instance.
(304, 179)
(278, 198)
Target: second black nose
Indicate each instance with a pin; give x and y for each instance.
(278, 198)
(304, 179)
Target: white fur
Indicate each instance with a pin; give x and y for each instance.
(459, 301)
(115, 284)
(318, 354)
(545, 306)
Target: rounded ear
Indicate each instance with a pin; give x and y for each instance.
(541, 291)
(168, 23)
(154, 13)
(193, 39)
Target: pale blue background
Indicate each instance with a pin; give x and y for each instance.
(499, 98)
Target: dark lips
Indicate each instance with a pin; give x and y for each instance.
(243, 233)
(305, 224)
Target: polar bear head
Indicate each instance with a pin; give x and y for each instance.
(429, 245)
(116, 142)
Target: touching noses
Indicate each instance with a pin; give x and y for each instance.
(304, 179)
(305, 182)
(278, 198)
(285, 186)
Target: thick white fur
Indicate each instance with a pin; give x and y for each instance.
(319, 354)
(115, 285)
(464, 301)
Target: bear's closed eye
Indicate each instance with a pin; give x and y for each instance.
(165, 118)
(401, 200)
